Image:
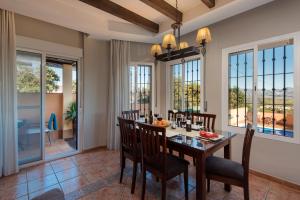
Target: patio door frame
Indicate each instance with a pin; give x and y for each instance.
(50, 49)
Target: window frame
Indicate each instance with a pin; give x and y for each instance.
(153, 84)
(255, 47)
(169, 90)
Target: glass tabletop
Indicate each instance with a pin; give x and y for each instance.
(192, 139)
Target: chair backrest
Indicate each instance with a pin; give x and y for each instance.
(154, 144)
(247, 148)
(131, 114)
(128, 135)
(172, 114)
(207, 119)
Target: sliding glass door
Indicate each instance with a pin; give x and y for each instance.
(29, 106)
(47, 102)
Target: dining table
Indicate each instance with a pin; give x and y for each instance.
(189, 143)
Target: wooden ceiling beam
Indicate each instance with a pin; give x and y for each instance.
(121, 12)
(209, 3)
(165, 8)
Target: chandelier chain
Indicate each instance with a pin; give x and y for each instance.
(177, 10)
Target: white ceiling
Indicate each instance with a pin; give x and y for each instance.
(101, 25)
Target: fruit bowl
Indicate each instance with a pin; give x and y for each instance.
(161, 123)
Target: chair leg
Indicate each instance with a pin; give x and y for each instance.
(170, 151)
(133, 176)
(186, 184)
(181, 155)
(194, 161)
(122, 167)
(144, 183)
(163, 189)
(208, 185)
(48, 133)
(246, 192)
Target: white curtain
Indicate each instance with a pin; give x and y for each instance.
(118, 89)
(8, 125)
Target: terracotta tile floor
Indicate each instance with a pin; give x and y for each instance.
(58, 146)
(95, 175)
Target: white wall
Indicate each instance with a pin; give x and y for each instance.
(94, 71)
(38, 29)
(275, 158)
(95, 92)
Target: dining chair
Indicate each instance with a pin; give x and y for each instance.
(207, 119)
(172, 114)
(208, 123)
(130, 148)
(131, 114)
(156, 160)
(231, 172)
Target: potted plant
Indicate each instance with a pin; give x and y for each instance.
(71, 115)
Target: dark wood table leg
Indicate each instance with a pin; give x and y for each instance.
(227, 155)
(200, 177)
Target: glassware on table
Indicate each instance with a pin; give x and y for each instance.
(159, 117)
(142, 118)
(173, 124)
(182, 124)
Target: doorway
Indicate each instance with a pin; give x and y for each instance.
(47, 102)
(60, 107)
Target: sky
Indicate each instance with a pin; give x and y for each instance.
(279, 68)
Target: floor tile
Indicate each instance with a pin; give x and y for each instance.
(42, 183)
(25, 197)
(39, 171)
(13, 192)
(39, 192)
(64, 165)
(68, 174)
(13, 180)
(73, 184)
(95, 175)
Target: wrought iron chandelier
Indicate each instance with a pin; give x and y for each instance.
(175, 48)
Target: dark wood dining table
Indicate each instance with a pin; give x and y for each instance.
(200, 149)
(188, 143)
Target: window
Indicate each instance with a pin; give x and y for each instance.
(185, 86)
(240, 88)
(177, 86)
(260, 89)
(275, 88)
(140, 88)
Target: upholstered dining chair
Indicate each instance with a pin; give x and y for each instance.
(130, 148)
(131, 114)
(231, 172)
(157, 161)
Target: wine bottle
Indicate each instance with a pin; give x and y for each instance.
(188, 125)
(150, 117)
